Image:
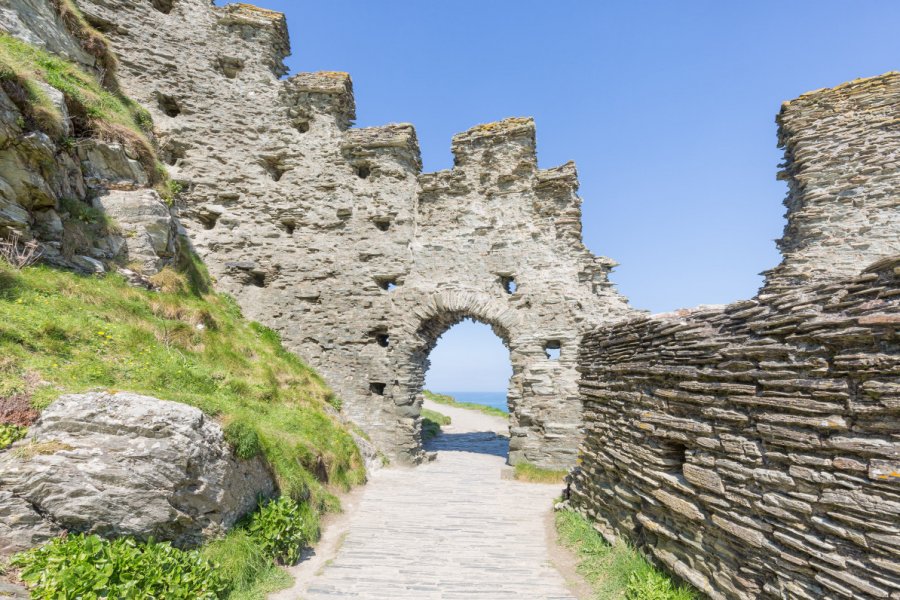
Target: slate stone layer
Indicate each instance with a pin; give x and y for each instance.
(754, 449)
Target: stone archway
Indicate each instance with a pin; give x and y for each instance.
(335, 237)
(446, 311)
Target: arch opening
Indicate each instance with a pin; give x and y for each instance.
(468, 360)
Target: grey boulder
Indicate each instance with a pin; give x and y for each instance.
(123, 464)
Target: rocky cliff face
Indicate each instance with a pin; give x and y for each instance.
(82, 195)
(332, 235)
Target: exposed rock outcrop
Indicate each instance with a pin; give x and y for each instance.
(123, 464)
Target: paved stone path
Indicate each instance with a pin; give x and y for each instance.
(449, 529)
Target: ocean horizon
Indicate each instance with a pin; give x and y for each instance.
(493, 399)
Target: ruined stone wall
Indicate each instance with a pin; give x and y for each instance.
(754, 449)
(842, 167)
(333, 236)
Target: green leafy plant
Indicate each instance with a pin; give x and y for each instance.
(10, 434)
(89, 567)
(282, 528)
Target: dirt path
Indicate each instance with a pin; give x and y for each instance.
(449, 529)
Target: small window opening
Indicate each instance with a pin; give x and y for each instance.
(208, 219)
(229, 67)
(163, 6)
(673, 455)
(377, 388)
(168, 105)
(363, 171)
(344, 213)
(382, 337)
(258, 278)
(302, 126)
(387, 283)
(274, 167)
(553, 349)
(289, 225)
(383, 224)
(509, 283)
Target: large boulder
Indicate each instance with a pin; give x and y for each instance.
(123, 464)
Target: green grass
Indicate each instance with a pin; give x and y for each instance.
(72, 333)
(615, 571)
(432, 422)
(532, 474)
(65, 333)
(451, 401)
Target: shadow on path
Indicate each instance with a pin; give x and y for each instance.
(478, 442)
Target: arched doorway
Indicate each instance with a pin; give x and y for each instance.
(469, 364)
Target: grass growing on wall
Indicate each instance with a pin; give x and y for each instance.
(451, 401)
(615, 572)
(94, 110)
(528, 472)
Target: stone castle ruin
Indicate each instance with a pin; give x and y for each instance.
(334, 236)
(752, 448)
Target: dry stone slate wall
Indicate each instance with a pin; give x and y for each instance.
(753, 448)
(334, 237)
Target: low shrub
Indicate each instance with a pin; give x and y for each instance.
(432, 422)
(89, 567)
(282, 528)
(10, 434)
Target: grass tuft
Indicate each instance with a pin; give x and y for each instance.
(615, 572)
(94, 110)
(533, 474)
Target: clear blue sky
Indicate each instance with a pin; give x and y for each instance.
(666, 107)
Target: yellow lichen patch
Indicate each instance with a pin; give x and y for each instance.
(498, 126)
(334, 74)
(265, 13)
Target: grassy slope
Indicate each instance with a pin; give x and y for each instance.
(61, 333)
(614, 572)
(451, 401)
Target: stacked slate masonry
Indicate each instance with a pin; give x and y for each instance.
(754, 449)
